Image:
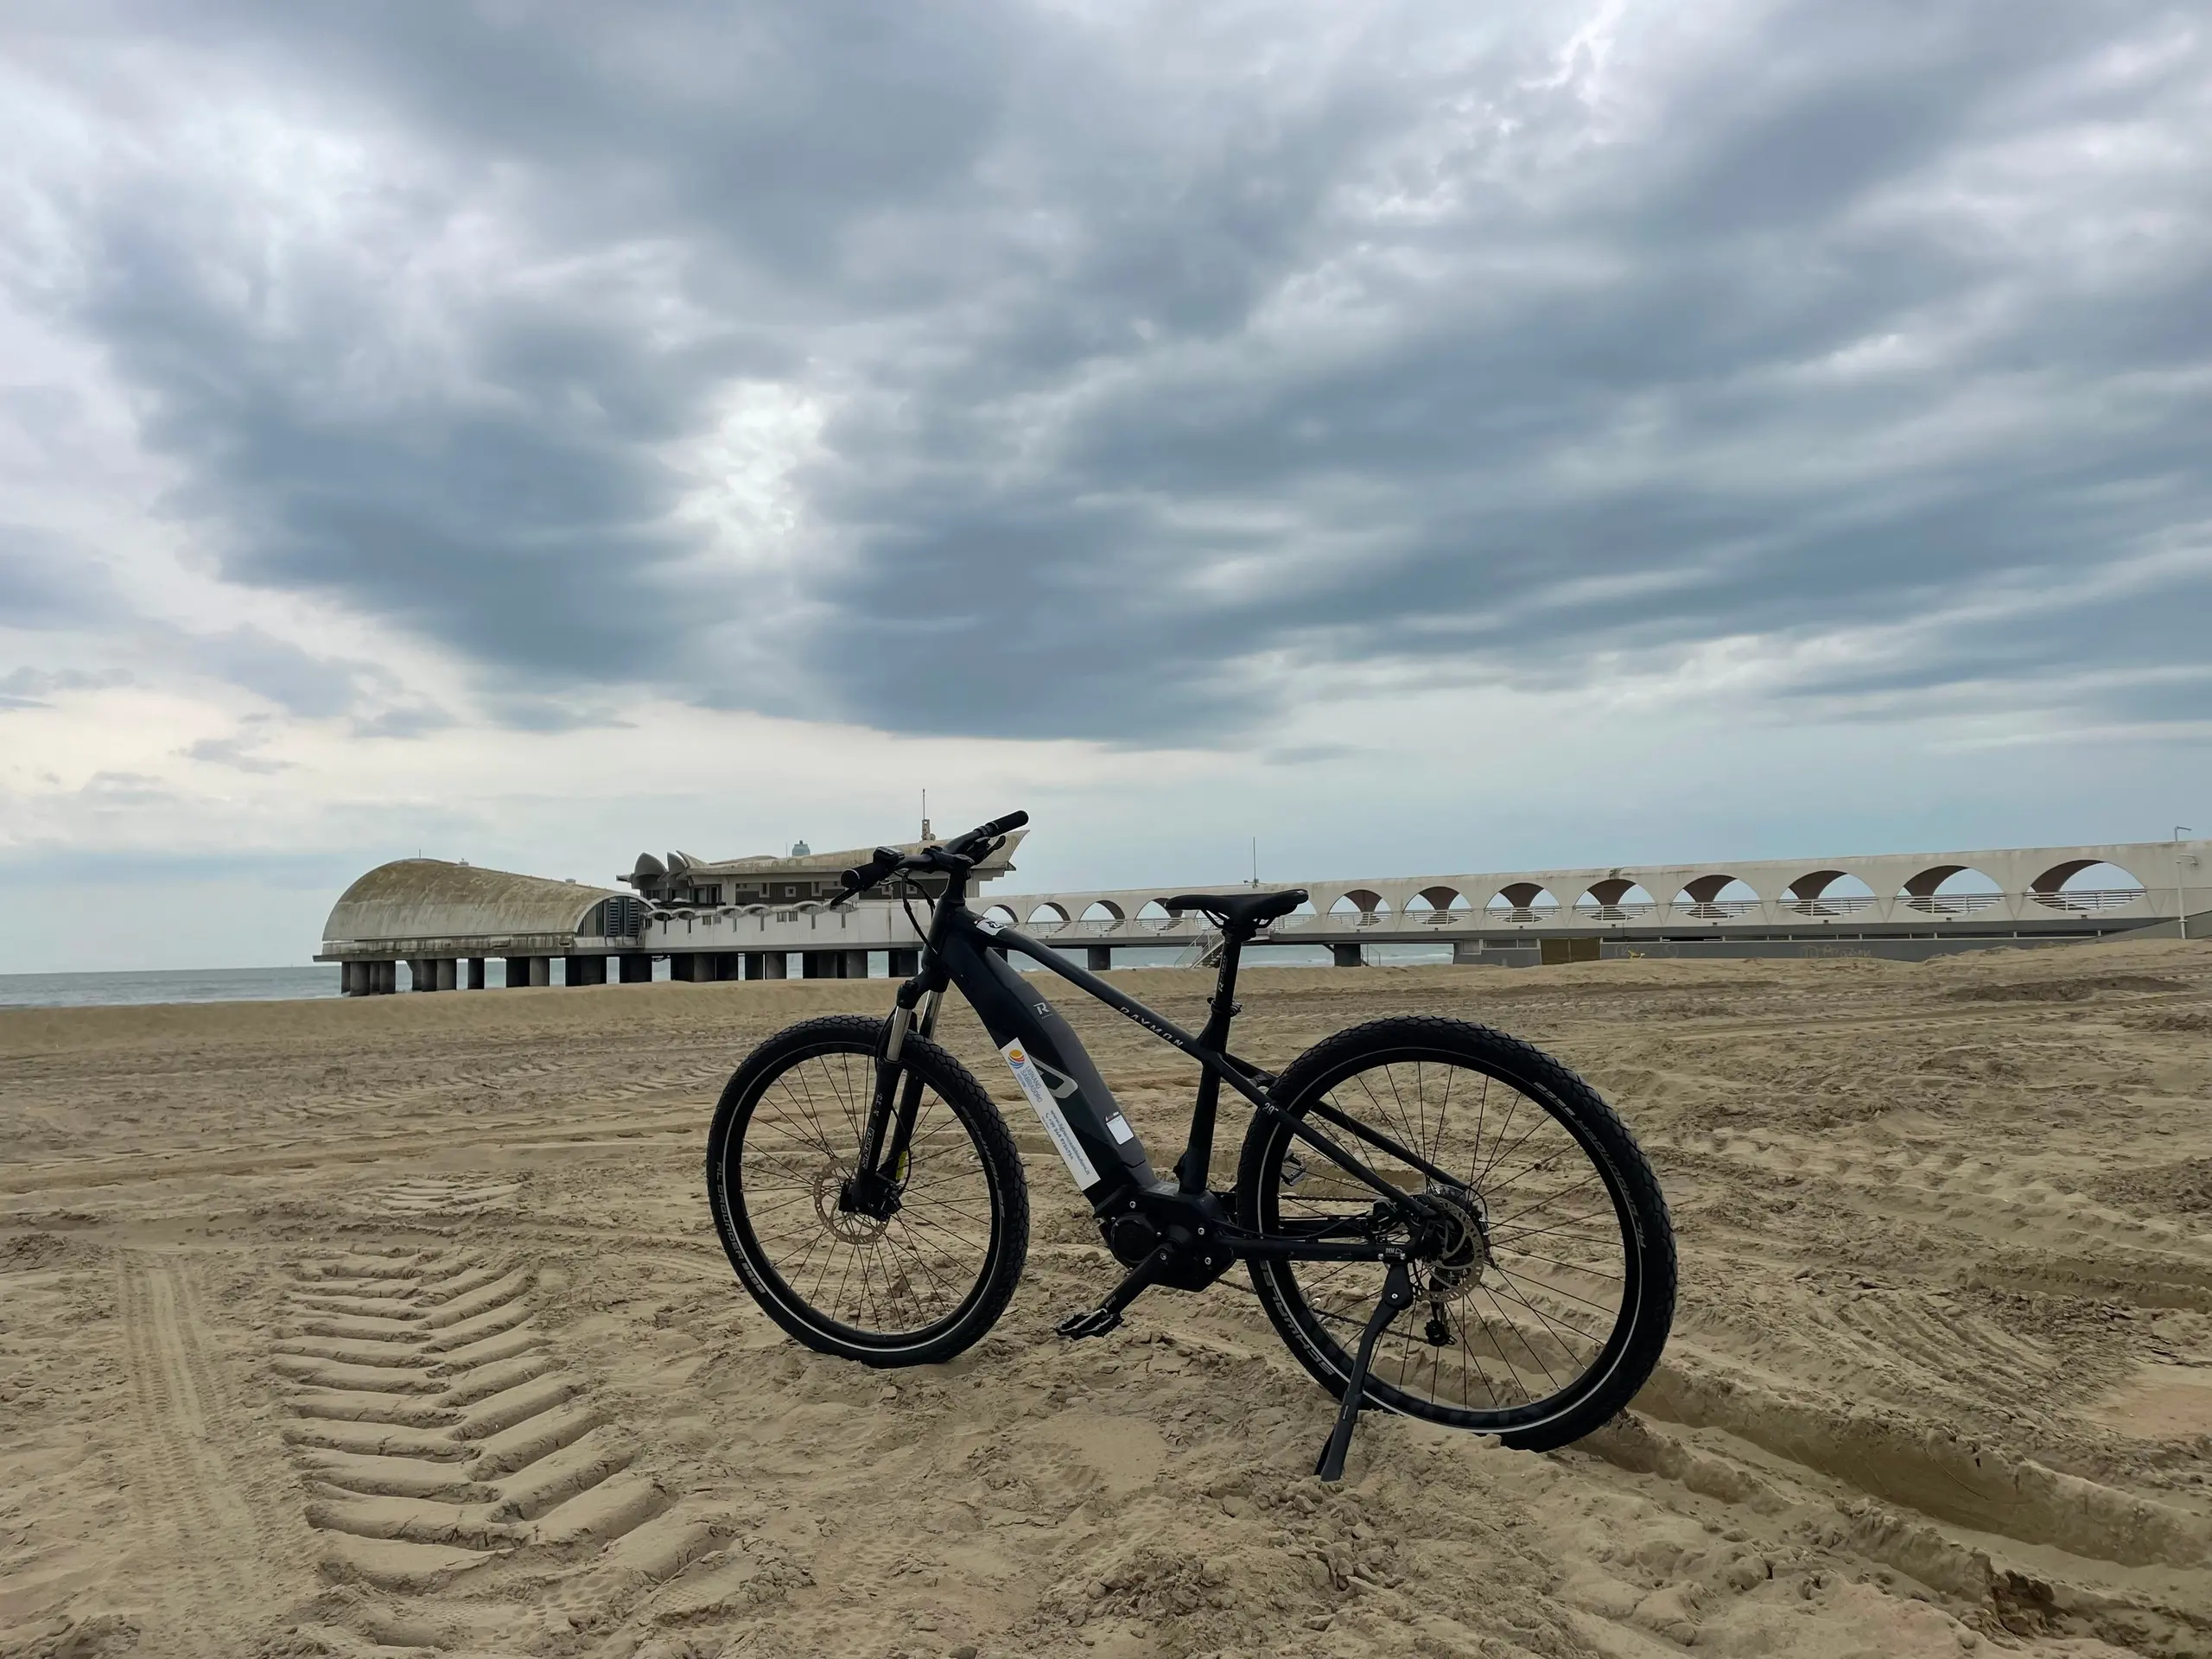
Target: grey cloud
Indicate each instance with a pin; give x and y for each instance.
(1172, 356)
(237, 752)
(29, 688)
(404, 723)
(45, 583)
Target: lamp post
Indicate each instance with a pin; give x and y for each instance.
(2180, 893)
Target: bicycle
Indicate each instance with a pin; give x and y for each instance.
(856, 1158)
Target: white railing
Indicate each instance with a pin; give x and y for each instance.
(1627, 911)
(1842, 904)
(1717, 910)
(1950, 903)
(2089, 899)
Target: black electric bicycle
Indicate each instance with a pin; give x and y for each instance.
(1439, 1219)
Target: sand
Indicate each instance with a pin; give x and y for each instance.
(399, 1326)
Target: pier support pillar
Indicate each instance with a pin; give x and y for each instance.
(476, 973)
(856, 964)
(1099, 957)
(637, 968)
(902, 964)
(817, 965)
(1347, 955)
(449, 973)
(1465, 953)
(729, 964)
(766, 964)
(518, 972)
(541, 971)
(421, 976)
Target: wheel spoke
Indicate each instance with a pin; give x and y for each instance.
(1523, 1292)
(798, 1147)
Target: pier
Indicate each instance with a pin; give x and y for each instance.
(768, 918)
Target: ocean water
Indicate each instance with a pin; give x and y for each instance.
(176, 985)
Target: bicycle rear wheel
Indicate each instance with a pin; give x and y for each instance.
(912, 1288)
(1543, 1305)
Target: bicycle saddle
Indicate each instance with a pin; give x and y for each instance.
(1239, 909)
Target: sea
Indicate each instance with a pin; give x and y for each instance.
(321, 979)
(171, 985)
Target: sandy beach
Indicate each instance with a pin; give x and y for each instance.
(399, 1326)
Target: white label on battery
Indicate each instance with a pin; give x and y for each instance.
(1119, 1126)
(1049, 1114)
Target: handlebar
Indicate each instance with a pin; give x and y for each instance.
(890, 861)
(987, 831)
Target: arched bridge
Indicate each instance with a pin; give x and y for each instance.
(1896, 904)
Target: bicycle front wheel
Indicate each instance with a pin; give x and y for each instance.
(1545, 1295)
(913, 1287)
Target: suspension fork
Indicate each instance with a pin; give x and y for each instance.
(890, 1129)
(891, 1123)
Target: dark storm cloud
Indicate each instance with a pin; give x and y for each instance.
(1171, 357)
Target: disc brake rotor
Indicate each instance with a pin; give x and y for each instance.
(1451, 1274)
(849, 1224)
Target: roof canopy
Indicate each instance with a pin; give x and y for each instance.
(829, 864)
(425, 907)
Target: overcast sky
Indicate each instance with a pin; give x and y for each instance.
(1423, 437)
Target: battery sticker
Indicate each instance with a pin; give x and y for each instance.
(1049, 1114)
(1119, 1127)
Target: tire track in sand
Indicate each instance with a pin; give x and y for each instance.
(464, 1485)
(194, 1519)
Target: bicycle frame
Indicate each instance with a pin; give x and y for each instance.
(1103, 1153)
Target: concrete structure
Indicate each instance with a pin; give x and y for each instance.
(767, 881)
(1901, 905)
(744, 917)
(708, 919)
(436, 916)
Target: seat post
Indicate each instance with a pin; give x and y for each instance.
(1193, 1166)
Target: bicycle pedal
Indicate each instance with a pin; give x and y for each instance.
(1090, 1322)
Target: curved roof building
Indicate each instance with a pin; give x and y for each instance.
(417, 907)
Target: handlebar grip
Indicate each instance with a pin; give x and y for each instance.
(999, 826)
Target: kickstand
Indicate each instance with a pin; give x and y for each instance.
(1097, 1321)
(1397, 1295)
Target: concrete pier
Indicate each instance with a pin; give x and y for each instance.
(476, 973)
(766, 964)
(637, 968)
(541, 971)
(448, 973)
(903, 964)
(1347, 955)
(1098, 957)
(518, 972)
(856, 964)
